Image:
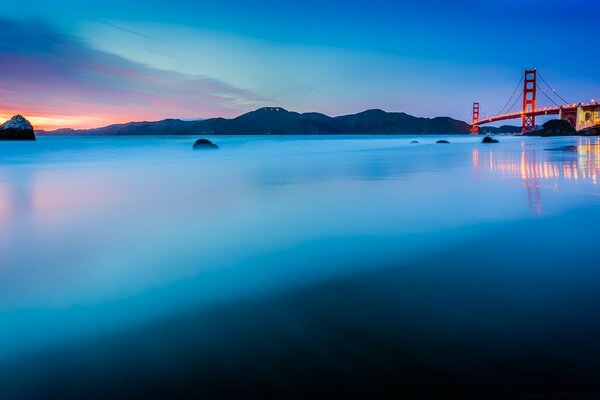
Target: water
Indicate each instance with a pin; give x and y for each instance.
(279, 265)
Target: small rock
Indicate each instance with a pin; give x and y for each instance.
(443, 142)
(205, 144)
(17, 128)
(488, 139)
(414, 142)
(570, 149)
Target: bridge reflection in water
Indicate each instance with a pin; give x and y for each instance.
(536, 167)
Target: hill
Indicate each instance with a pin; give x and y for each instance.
(278, 121)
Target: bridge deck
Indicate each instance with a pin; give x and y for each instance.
(502, 117)
(539, 112)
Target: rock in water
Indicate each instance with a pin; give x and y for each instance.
(443, 142)
(570, 149)
(16, 128)
(555, 127)
(592, 131)
(488, 139)
(205, 144)
(414, 142)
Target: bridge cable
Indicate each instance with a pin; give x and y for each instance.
(511, 97)
(548, 97)
(515, 103)
(553, 90)
(509, 109)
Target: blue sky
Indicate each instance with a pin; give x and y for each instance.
(73, 63)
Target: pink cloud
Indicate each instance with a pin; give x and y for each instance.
(58, 79)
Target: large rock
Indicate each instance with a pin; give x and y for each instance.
(205, 144)
(16, 128)
(591, 131)
(555, 127)
(443, 142)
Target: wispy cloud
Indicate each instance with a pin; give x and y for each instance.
(60, 80)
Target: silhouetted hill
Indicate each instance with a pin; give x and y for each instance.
(381, 122)
(164, 127)
(278, 121)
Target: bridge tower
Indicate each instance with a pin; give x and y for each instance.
(529, 100)
(475, 122)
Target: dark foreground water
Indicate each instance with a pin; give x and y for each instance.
(299, 268)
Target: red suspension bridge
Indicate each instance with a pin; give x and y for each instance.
(579, 115)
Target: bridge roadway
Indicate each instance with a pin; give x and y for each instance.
(540, 112)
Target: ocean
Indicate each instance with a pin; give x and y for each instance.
(299, 267)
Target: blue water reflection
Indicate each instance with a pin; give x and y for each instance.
(100, 236)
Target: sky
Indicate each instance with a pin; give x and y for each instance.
(84, 64)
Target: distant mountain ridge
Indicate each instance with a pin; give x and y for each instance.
(510, 129)
(278, 121)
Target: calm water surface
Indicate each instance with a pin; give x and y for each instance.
(295, 266)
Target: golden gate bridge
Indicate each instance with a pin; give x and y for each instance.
(579, 115)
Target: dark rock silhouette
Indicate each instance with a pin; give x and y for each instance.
(488, 139)
(592, 131)
(414, 142)
(278, 121)
(443, 142)
(17, 128)
(205, 144)
(555, 127)
(569, 149)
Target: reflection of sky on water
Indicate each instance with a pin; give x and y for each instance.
(100, 233)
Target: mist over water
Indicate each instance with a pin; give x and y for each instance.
(279, 265)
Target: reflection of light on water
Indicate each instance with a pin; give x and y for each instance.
(586, 167)
(589, 159)
(526, 167)
(476, 158)
(476, 162)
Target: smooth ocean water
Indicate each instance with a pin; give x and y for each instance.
(135, 266)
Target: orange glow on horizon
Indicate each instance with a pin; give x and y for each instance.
(52, 122)
(96, 116)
